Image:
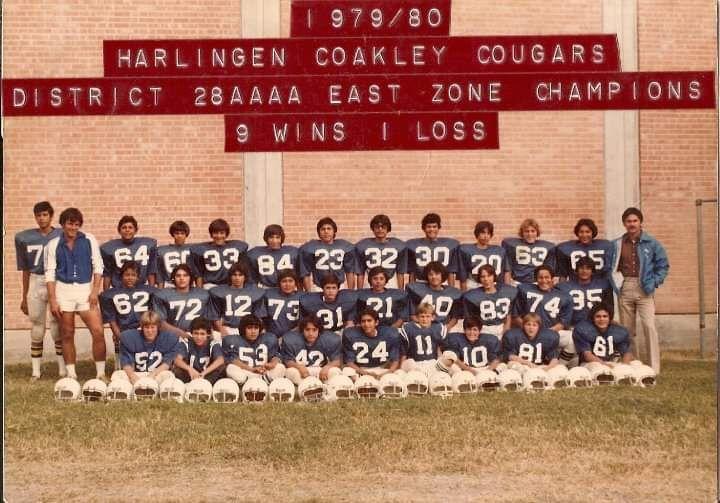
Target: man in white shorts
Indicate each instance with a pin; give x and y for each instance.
(73, 272)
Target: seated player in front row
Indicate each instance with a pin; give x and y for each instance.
(311, 351)
(267, 261)
(236, 299)
(180, 305)
(531, 345)
(199, 357)
(370, 349)
(474, 255)
(391, 304)
(327, 254)
(147, 351)
(172, 255)
(283, 303)
(252, 353)
(213, 259)
(599, 339)
(122, 306)
(491, 303)
(381, 251)
(445, 298)
(473, 350)
(334, 307)
(421, 340)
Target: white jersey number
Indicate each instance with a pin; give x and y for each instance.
(524, 255)
(424, 255)
(139, 303)
(375, 257)
(123, 255)
(379, 353)
(145, 362)
(528, 351)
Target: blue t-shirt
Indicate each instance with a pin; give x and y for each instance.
(553, 306)
(485, 350)
(116, 252)
(333, 315)
(569, 252)
(232, 304)
(180, 308)
(422, 251)
(212, 262)
(253, 354)
(390, 304)
(584, 297)
(615, 342)
(391, 255)
(525, 257)
(318, 259)
(168, 258)
(368, 352)
(199, 357)
(125, 305)
(30, 249)
(145, 356)
(265, 263)
(471, 258)
(540, 350)
(447, 301)
(327, 348)
(283, 311)
(490, 308)
(421, 343)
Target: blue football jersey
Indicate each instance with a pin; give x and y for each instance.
(391, 304)
(212, 262)
(569, 252)
(295, 348)
(125, 305)
(168, 258)
(553, 306)
(421, 343)
(447, 301)
(524, 257)
(471, 258)
(231, 304)
(422, 251)
(265, 263)
(490, 308)
(318, 258)
(146, 356)
(283, 311)
(613, 343)
(367, 352)
(253, 354)
(199, 357)
(179, 308)
(332, 315)
(116, 252)
(584, 297)
(391, 255)
(30, 247)
(540, 351)
(485, 350)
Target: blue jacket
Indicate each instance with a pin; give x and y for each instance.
(654, 263)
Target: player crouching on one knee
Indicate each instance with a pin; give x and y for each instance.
(147, 351)
(311, 351)
(471, 350)
(531, 346)
(199, 357)
(421, 340)
(370, 349)
(252, 353)
(599, 339)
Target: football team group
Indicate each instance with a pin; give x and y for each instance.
(331, 319)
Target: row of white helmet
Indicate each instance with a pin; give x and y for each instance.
(513, 377)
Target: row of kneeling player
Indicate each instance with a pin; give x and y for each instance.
(377, 360)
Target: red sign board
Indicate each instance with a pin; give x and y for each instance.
(369, 18)
(358, 56)
(377, 131)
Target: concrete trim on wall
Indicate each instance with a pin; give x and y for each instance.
(263, 201)
(622, 133)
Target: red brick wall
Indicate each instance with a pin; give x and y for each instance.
(678, 149)
(550, 165)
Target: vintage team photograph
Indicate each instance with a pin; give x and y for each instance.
(360, 250)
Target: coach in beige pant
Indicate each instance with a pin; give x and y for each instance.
(640, 265)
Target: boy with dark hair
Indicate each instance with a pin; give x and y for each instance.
(180, 305)
(266, 261)
(391, 304)
(473, 350)
(230, 303)
(474, 255)
(252, 352)
(586, 245)
(213, 259)
(491, 303)
(172, 255)
(129, 247)
(283, 303)
(431, 248)
(370, 349)
(199, 357)
(586, 289)
(382, 251)
(327, 254)
(446, 299)
(334, 307)
(311, 351)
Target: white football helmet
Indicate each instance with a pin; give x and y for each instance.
(119, 390)
(463, 382)
(255, 390)
(579, 377)
(416, 382)
(486, 380)
(94, 390)
(226, 390)
(510, 380)
(281, 390)
(198, 390)
(367, 387)
(623, 374)
(535, 379)
(163, 376)
(311, 389)
(119, 374)
(440, 384)
(339, 387)
(517, 367)
(145, 388)
(172, 389)
(67, 389)
(557, 377)
(644, 376)
(393, 386)
(601, 373)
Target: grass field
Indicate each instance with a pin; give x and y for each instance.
(602, 444)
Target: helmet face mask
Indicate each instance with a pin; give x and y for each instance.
(198, 391)
(367, 387)
(226, 390)
(67, 389)
(255, 390)
(281, 390)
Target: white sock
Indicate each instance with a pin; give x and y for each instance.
(62, 371)
(100, 368)
(70, 367)
(36, 366)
